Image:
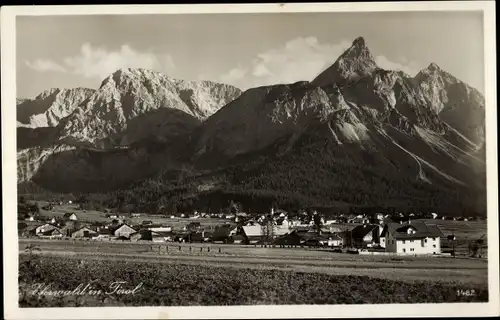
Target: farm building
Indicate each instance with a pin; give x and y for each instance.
(193, 237)
(147, 235)
(70, 216)
(103, 233)
(238, 239)
(363, 236)
(313, 239)
(161, 229)
(123, 230)
(54, 233)
(335, 240)
(310, 238)
(84, 232)
(44, 228)
(414, 237)
(292, 238)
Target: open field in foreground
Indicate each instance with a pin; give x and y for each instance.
(177, 284)
(244, 275)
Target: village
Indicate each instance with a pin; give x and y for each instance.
(375, 234)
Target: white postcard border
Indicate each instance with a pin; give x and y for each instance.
(9, 177)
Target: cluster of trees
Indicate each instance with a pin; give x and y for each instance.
(25, 208)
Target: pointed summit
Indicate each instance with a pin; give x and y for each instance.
(355, 62)
(433, 67)
(359, 41)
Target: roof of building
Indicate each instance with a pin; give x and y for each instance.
(69, 214)
(252, 231)
(312, 236)
(362, 230)
(113, 229)
(422, 230)
(50, 232)
(85, 227)
(104, 231)
(332, 235)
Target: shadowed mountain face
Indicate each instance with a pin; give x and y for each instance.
(355, 135)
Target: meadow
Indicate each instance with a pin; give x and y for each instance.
(463, 270)
(180, 284)
(90, 216)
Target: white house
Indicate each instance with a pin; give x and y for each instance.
(161, 229)
(335, 241)
(70, 216)
(414, 237)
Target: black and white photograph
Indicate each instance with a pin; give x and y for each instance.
(250, 156)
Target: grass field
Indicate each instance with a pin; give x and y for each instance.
(99, 216)
(453, 270)
(182, 284)
(467, 230)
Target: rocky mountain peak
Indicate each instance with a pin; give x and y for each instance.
(457, 103)
(50, 106)
(354, 63)
(46, 93)
(359, 41)
(131, 93)
(433, 67)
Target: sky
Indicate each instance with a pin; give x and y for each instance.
(244, 50)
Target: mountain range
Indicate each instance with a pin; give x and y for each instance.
(355, 135)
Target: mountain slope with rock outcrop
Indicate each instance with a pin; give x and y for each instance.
(131, 93)
(355, 135)
(50, 106)
(457, 103)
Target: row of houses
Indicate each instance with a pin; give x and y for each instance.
(412, 237)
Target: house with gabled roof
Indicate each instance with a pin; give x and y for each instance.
(414, 237)
(123, 230)
(44, 228)
(51, 233)
(84, 232)
(363, 236)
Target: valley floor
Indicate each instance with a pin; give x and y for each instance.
(443, 277)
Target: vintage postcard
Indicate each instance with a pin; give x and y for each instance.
(250, 161)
